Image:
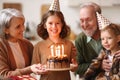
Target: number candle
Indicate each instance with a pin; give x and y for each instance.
(62, 50)
(52, 50)
(58, 50)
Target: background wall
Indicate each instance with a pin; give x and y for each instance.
(31, 10)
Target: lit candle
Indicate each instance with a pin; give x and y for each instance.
(62, 50)
(52, 50)
(58, 50)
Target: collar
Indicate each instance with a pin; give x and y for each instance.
(88, 39)
(50, 42)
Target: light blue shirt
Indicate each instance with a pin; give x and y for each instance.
(96, 44)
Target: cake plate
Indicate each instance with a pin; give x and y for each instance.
(59, 69)
(62, 69)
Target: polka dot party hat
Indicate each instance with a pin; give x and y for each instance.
(55, 6)
(102, 21)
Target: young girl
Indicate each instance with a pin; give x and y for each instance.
(53, 30)
(110, 38)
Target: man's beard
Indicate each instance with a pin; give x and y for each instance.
(90, 33)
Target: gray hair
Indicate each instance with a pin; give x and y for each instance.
(5, 17)
(96, 7)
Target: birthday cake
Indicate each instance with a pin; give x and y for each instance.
(58, 59)
(55, 62)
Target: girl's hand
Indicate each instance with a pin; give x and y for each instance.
(74, 65)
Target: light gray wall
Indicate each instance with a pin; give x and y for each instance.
(31, 11)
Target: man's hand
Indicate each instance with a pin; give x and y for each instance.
(117, 54)
(106, 65)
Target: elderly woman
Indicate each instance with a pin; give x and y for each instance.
(15, 51)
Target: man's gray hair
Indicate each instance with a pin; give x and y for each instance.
(96, 7)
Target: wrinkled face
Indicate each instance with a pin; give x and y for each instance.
(88, 21)
(15, 31)
(109, 40)
(54, 26)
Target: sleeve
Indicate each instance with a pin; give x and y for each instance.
(95, 66)
(82, 65)
(36, 55)
(73, 52)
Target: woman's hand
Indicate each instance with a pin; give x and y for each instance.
(39, 69)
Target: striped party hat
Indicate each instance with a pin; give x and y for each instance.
(102, 21)
(55, 6)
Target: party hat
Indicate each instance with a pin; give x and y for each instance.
(102, 21)
(55, 6)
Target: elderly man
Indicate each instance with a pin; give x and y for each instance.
(88, 42)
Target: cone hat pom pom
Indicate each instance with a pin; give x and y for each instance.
(55, 6)
(102, 21)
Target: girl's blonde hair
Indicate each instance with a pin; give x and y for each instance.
(112, 28)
